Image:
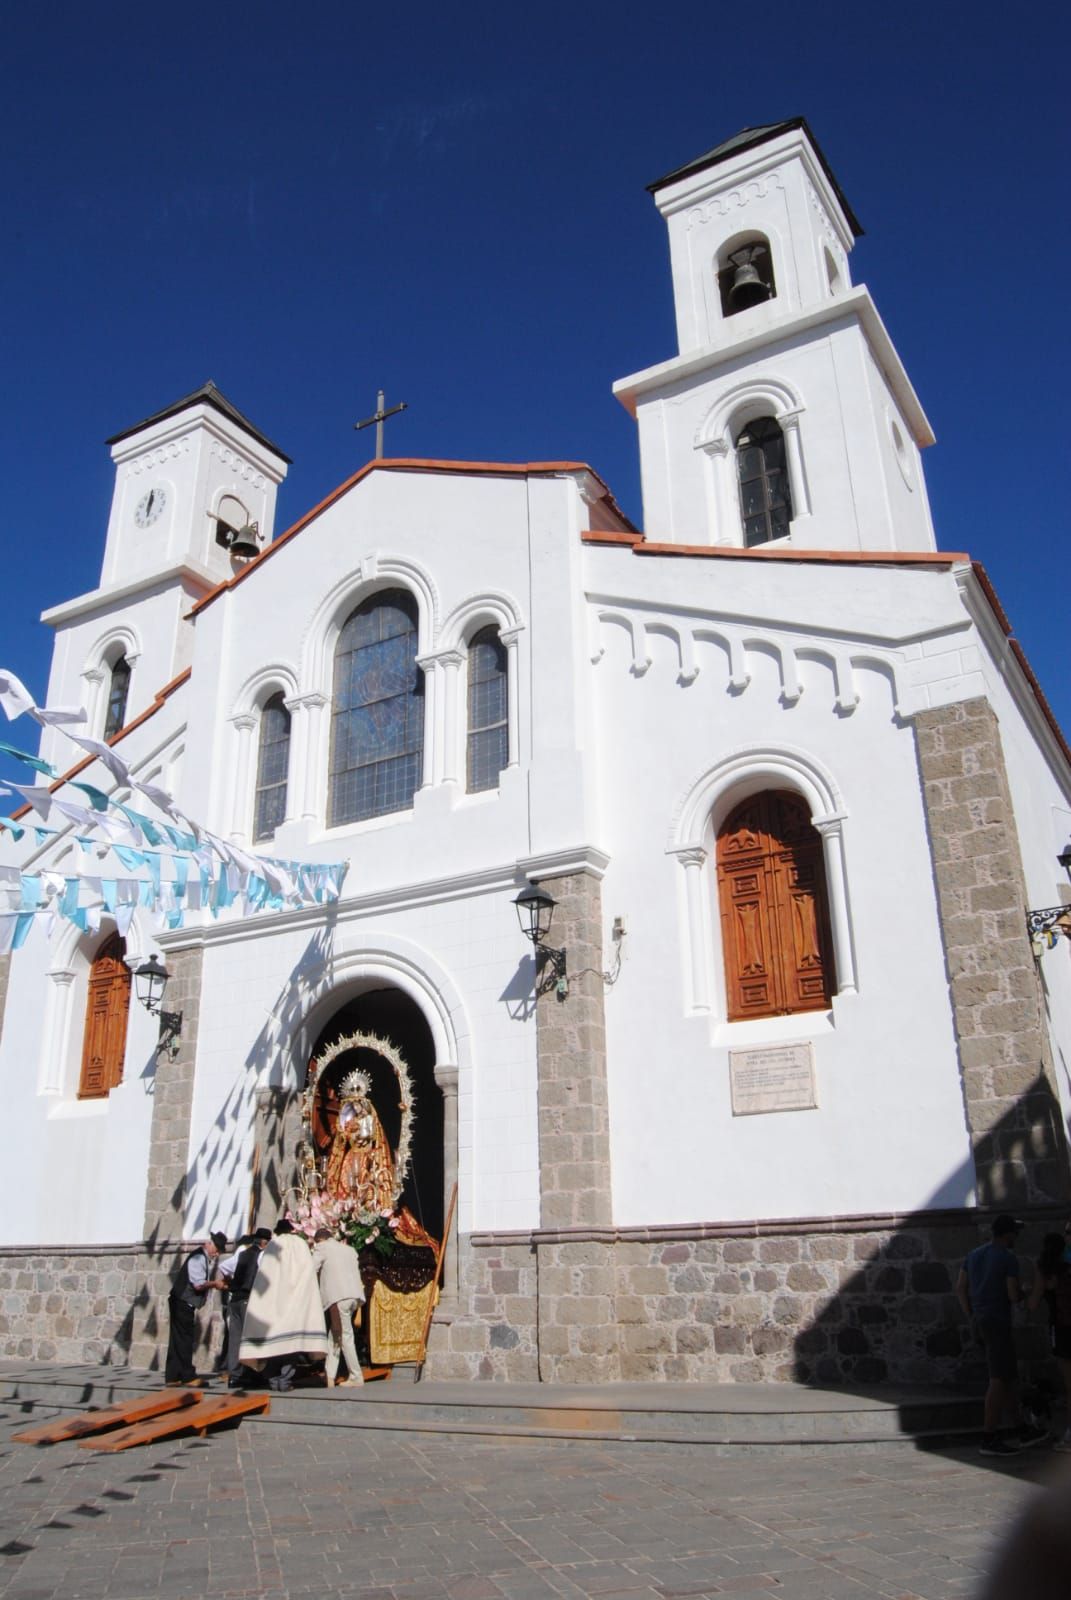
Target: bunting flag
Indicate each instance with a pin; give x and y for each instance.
(200, 871)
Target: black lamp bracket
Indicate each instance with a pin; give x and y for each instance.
(556, 977)
(170, 1029)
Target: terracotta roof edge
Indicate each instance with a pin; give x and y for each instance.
(527, 469)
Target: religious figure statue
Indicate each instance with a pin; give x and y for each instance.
(360, 1165)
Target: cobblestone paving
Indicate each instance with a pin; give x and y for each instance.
(296, 1511)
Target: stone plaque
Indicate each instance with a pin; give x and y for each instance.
(777, 1078)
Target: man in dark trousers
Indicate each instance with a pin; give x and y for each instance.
(192, 1283)
(241, 1282)
(987, 1289)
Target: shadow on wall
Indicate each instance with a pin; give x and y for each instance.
(895, 1316)
(220, 1168)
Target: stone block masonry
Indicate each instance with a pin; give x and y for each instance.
(1009, 1090)
(574, 1138)
(861, 1300)
(93, 1303)
(169, 1138)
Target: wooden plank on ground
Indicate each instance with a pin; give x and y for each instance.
(207, 1413)
(139, 1408)
(374, 1374)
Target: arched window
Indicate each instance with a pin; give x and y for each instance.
(107, 1005)
(774, 909)
(273, 764)
(488, 737)
(377, 724)
(765, 501)
(118, 688)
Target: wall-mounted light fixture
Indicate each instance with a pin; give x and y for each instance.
(1043, 926)
(150, 982)
(535, 913)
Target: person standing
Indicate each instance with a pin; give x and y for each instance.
(192, 1284)
(240, 1271)
(1053, 1285)
(341, 1292)
(283, 1317)
(987, 1288)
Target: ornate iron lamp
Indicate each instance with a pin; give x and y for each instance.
(535, 913)
(150, 983)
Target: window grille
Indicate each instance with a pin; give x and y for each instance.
(765, 503)
(273, 765)
(377, 723)
(488, 736)
(118, 689)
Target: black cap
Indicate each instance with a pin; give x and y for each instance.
(263, 1234)
(219, 1240)
(1006, 1223)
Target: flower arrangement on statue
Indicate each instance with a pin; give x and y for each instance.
(345, 1219)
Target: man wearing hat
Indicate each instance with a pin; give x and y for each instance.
(191, 1286)
(241, 1270)
(987, 1288)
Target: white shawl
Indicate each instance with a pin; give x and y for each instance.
(284, 1315)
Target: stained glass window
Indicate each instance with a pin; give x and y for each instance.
(273, 762)
(488, 740)
(377, 724)
(765, 503)
(118, 689)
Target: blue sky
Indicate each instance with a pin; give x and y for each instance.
(306, 203)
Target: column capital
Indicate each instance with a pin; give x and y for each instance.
(313, 700)
(245, 721)
(693, 855)
(446, 1074)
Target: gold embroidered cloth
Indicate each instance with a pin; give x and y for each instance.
(396, 1323)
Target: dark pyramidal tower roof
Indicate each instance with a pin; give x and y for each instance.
(747, 139)
(207, 395)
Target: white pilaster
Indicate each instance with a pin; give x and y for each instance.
(55, 1034)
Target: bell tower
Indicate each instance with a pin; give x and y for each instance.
(194, 500)
(189, 481)
(787, 417)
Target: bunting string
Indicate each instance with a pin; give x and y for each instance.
(186, 867)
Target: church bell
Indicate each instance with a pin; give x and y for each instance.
(748, 287)
(244, 542)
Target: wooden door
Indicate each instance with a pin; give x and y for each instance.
(107, 1006)
(774, 909)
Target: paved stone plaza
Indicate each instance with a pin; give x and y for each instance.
(304, 1510)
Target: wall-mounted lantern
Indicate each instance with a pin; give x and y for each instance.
(150, 984)
(535, 913)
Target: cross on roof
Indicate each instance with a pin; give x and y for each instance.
(379, 416)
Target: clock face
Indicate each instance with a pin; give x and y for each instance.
(150, 506)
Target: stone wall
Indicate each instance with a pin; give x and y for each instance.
(574, 1141)
(493, 1332)
(169, 1138)
(102, 1304)
(859, 1300)
(1012, 1106)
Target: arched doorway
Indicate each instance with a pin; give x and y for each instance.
(391, 1015)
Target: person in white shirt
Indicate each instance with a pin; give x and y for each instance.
(341, 1291)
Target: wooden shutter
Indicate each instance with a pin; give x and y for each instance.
(774, 909)
(107, 1006)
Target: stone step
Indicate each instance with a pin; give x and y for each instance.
(727, 1417)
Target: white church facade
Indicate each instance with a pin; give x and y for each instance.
(777, 760)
